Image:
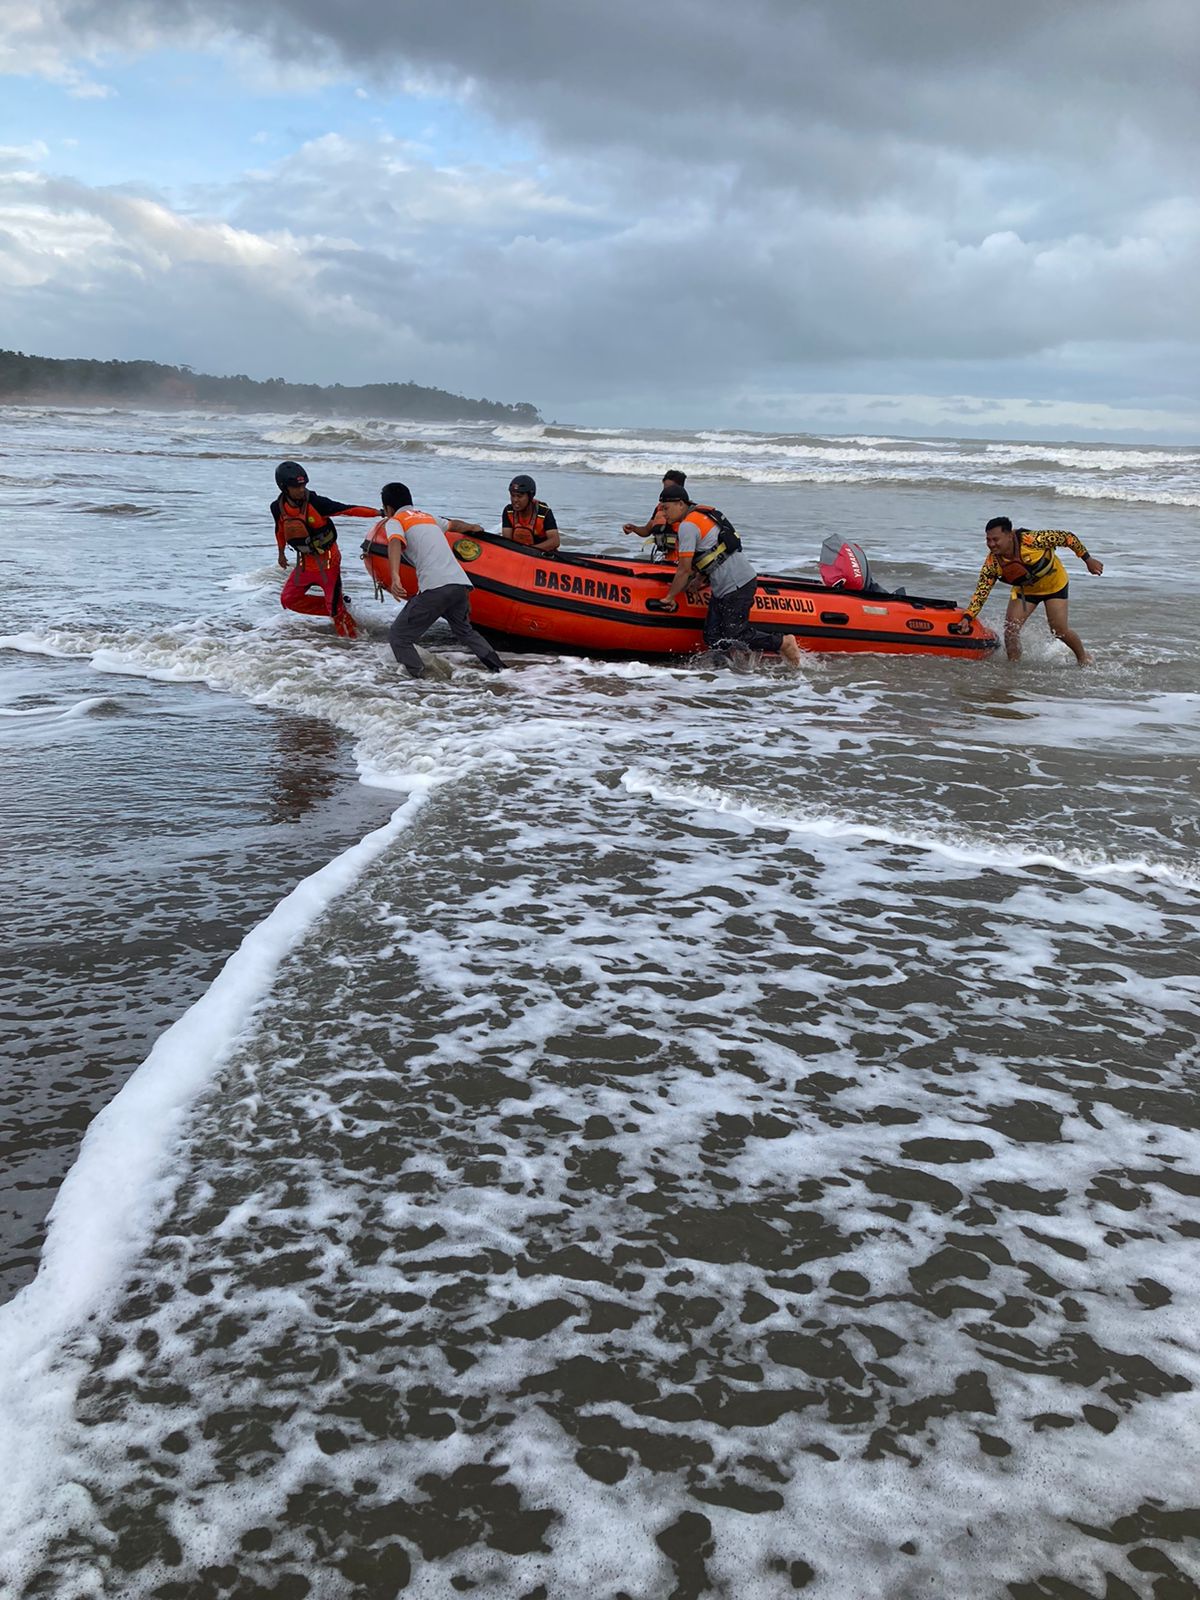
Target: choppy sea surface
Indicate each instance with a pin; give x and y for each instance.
(614, 1130)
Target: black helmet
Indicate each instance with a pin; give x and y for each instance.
(288, 473)
(523, 483)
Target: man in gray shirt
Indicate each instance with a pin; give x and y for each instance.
(443, 588)
(709, 550)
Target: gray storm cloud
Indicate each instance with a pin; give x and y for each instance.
(983, 78)
(785, 189)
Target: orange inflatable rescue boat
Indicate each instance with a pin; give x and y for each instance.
(597, 604)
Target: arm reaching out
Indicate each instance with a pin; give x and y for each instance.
(988, 574)
(1059, 538)
(680, 579)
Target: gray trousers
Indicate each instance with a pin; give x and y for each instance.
(450, 601)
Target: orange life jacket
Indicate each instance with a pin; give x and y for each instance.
(706, 518)
(1016, 570)
(532, 532)
(306, 529)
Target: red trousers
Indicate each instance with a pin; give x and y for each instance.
(322, 571)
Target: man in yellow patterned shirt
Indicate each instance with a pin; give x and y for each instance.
(1027, 560)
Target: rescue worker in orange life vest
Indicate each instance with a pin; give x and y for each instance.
(527, 520)
(709, 550)
(1027, 560)
(657, 527)
(302, 520)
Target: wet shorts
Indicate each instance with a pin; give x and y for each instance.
(1036, 599)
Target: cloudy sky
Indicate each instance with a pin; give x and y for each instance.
(933, 216)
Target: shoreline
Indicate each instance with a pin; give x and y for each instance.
(147, 939)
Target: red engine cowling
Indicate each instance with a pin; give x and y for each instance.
(845, 567)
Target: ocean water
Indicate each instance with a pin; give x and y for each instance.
(620, 1129)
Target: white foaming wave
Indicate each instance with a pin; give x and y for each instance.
(250, 582)
(735, 448)
(1112, 491)
(761, 465)
(1145, 477)
(81, 708)
(518, 433)
(967, 851)
(34, 644)
(106, 1206)
(295, 430)
(1164, 722)
(47, 413)
(841, 451)
(835, 473)
(636, 455)
(996, 484)
(455, 722)
(396, 731)
(933, 446)
(556, 430)
(1098, 459)
(875, 442)
(563, 456)
(360, 436)
(870, 447)
(303, 432)
(553, 454)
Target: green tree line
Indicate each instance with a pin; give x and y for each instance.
(79, 382)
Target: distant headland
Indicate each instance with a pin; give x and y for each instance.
(42, 379)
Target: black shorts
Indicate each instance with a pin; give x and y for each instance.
(1036, 599)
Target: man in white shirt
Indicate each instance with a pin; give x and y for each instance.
(443, 588)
